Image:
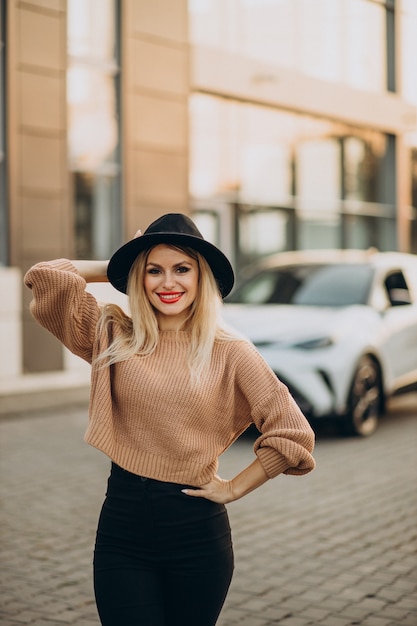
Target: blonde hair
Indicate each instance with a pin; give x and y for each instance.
(140, 333)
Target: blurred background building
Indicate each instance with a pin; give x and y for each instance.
(278, 124)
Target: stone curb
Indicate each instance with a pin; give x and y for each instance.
(42, 391)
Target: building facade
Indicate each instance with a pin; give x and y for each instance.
(95, 103)
(302, 114)
(278, 125)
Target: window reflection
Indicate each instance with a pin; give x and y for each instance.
(364, 55)
(262, 232)
(327, 177)
(91, 29)
(335, 285)
(361, 165)
(318, 176)
(414, 176)
(93, 125)
(261, 154)
(335, 40)
(413, 209)
(95, 195)
(409, 49)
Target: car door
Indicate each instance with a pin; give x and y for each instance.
(399, 343)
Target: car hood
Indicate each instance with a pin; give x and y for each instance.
(288, 324)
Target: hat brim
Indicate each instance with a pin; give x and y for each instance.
(122, 260)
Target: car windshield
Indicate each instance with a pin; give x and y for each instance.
(333, 285)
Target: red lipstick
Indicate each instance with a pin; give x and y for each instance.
(170, 297)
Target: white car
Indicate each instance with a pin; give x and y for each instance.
(338, 327)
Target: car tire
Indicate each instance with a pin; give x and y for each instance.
(366, 399)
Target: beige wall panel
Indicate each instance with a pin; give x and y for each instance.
(40, 100)
(155, 72)
(161, 179)
(167, 19)
(158, 68)
(233, 76)
(159, 122)
(37, 166)
(53, 5)
(41, 163)
(43, 353)
(41, 227)
(141, 217)
(40, 40)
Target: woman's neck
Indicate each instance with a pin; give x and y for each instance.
(172, 323)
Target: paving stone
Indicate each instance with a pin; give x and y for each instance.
(373, 620)
(390, 594)
(315, 614)
(410, 619)
(333, 620)
(332, 548)
(395, 612)
(294, 621)
(409, 602)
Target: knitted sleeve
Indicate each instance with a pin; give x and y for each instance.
(286, 442)
(62, 305)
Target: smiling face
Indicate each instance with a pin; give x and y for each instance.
(171, 284)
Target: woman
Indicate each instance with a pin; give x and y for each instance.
(171, 391)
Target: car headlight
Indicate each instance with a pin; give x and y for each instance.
(314, 344)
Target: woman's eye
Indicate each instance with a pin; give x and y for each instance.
(183, 269)
(153, 270)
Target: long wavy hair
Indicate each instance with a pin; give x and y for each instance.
(139, 333)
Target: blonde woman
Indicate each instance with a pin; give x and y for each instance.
(171, 390)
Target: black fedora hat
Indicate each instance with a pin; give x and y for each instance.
(176, 229)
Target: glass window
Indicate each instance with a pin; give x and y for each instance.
(305, 182)
(367, 231)
(319, 232)
(337, 40)
(318, 186)
(364, 53)
(265, 155)
(318, 175)
(308, 285)
(263, 231)
(414, 176)
(241, 149)
(336, 285)
(93, 125)
(413, 210)
(3, 206)
(409, 49)
(208, 224)
(359, 170)
(214, 139)
(259, 153)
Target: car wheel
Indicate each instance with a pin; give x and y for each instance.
(365, 401)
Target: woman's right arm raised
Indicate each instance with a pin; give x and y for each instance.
(95, 271)
(92, 271)
(61, 304)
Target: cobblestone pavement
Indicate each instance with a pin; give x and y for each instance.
(334, 548)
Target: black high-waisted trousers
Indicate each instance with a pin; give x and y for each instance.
(162, 558)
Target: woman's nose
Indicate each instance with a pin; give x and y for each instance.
(169, 281)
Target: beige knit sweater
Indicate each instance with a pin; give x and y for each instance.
(145, 415)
